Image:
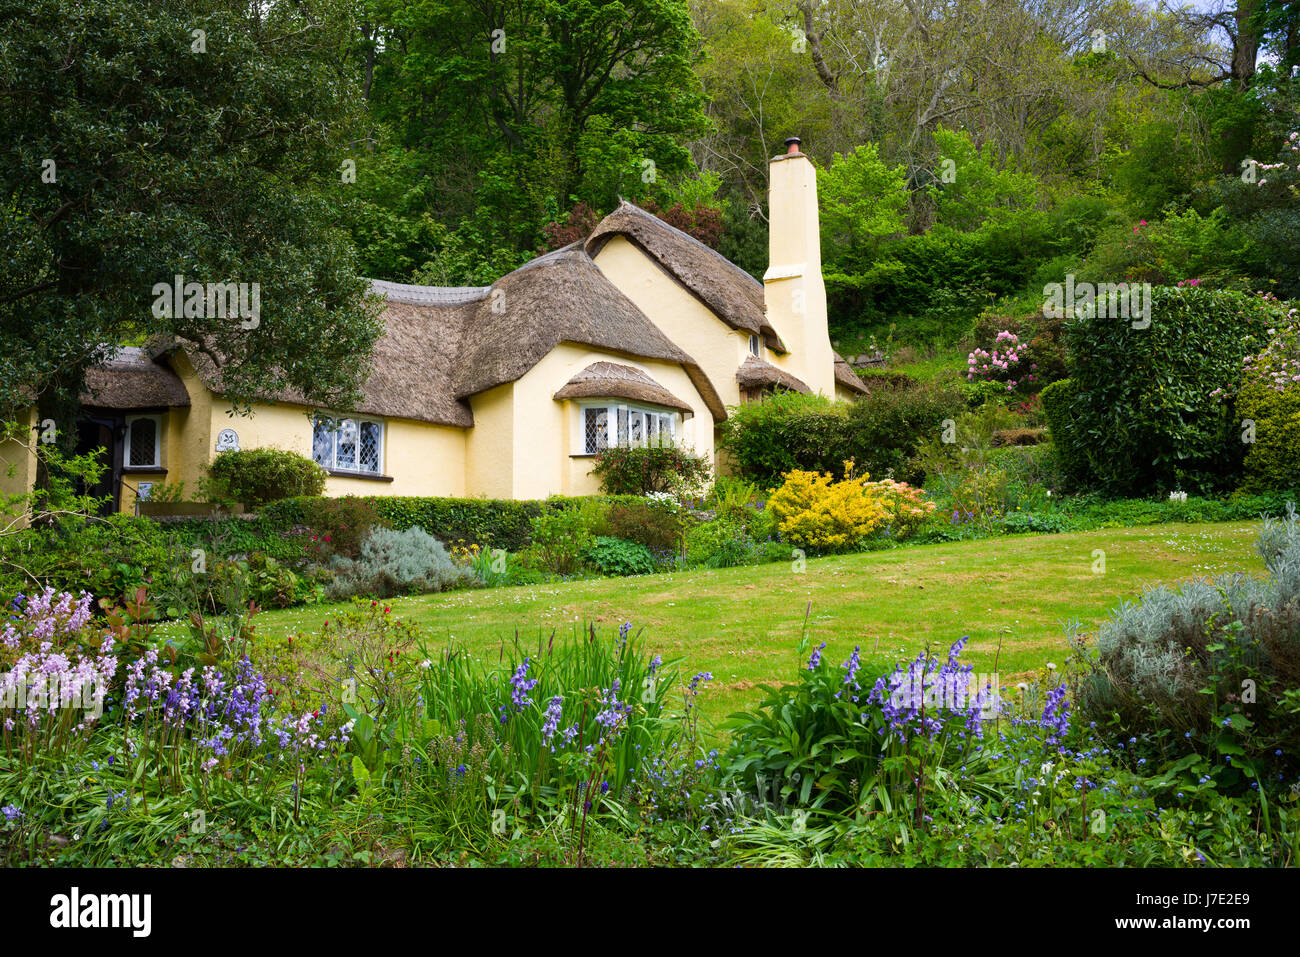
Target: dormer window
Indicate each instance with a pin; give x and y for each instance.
(755, 347)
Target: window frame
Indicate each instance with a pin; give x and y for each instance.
(755, 345)
(619, 417)
(156, 464)
(359, 422)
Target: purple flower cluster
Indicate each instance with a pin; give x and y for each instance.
(551, 720)
(222, 712)
(520, 686)
(695, 683)
(851, 668)
(815, 660)
(614, 713)
(45, 617)
(1056, 716)
(44, 682)
(927, 697)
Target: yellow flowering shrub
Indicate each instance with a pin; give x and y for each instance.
(814, 511)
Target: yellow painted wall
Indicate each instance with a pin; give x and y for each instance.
(685, 320)
(422, 458)
(490, 444)
(546, 432)
(20, 459)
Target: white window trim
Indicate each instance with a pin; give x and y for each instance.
(332, 465)
(755, 345)
(157, 442)
(622, 409)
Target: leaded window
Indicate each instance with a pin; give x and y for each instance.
(632, 426)
(142, 442)
(348, 445)
(596, 429)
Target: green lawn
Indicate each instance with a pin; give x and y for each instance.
(742, 624)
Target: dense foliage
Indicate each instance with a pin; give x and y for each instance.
(1146, 416)
(633, 470)
(255, 477)
(145, 140)
(1209, 667)
(881, 431)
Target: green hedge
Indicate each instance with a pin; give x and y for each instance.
(1145, 416)
(880, 431)
(1273, 461)
(1057, 400)
(492, 523)
(258, 476)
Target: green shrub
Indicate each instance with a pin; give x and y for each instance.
(108, 557)
(1146, 417)
(1273, 460)
(489, 523)
(887, 427)
(726, 542)
(258, 476)
(1058, 401)
(880, 431)
(656, 525)
(615, 556)
(232, 583)
(640, 471)
(559, 540)
(392, 563)
(784, 432)
(1210, 667)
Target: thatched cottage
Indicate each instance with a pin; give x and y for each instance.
(641, 334)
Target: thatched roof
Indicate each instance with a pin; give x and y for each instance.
(130, 379)
(732, 294)
(414, 359)
(616, 381)
(846, 377)
(754, 373)
(443, 345)
(560, 297)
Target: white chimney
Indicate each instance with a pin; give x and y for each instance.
(792, 286)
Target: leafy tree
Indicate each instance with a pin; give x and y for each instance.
(862, 201)
(143, 139)
(518, 110)
(981, 191)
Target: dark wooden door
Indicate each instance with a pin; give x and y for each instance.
(104, 436)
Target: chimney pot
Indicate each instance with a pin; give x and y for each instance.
(792, 145)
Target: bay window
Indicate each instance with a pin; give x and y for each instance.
(604, 426)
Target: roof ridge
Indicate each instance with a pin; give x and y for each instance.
(428, 295)
(685, 235)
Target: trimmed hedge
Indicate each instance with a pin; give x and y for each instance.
(492, 523)
(1273, 461)
(1058, 399)
(880, 431)
(1146, 417)
(258, 476)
